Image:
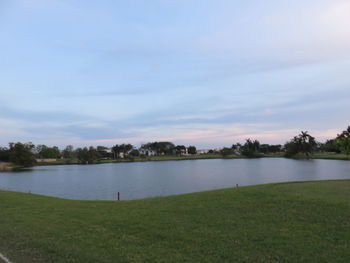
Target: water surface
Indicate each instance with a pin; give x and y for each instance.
(148, 179)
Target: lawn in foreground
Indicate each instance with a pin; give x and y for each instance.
(290, 222)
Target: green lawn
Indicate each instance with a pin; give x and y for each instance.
(290, 222)
(331, 156)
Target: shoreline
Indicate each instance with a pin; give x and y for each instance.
(194, 157)
(6, 167)
(149, 159)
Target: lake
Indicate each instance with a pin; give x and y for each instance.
(137, 180)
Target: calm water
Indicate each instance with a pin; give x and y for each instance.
(148, 179)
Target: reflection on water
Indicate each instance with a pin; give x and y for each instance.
(148, 179)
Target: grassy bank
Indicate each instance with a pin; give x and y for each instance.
(331, 156)
(293, 222)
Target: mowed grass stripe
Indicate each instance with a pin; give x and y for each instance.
(289, 222)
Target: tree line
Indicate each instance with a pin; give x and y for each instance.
(303, 144)
(27, 154)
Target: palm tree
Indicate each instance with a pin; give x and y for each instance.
(303, 143)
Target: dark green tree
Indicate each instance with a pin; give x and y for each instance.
(343, 141)
(44, 151)
(251, 148)
(192, 150)
(267, 148)
(179, 149)
(104, 152)
(68, 152)
(4, 154)
(117, 149)
(87, 155)
(329, 146)
(134, 153)
(22, 154)
(226, 152)
(304, 144)
(264, 148)
(126, 148)
(122, 148)
(162, 148)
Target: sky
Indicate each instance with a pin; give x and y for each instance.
(204, 73)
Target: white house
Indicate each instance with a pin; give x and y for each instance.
(147, 152)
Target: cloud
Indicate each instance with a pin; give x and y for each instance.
(249, 69)
(302, 33)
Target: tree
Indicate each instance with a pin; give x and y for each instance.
(343, 141)
(264, 148)
(192, 150)
(226, 151)
(68, 152)
(47, 152)
(126, 148)
(329, 146)
(275, 148)
(122, 148)
(160, 147)
(304, 143)
(134, 153)
(87, 155)
(179, 149)
(251, 148)
(236, 148)
(4, 154)
(267, 148)
(117, 149)
(22, 154)
(38, 149)
(104, 152)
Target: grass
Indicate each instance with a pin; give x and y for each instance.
(289, 222)
(332, 156)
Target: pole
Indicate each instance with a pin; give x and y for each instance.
(118, 196)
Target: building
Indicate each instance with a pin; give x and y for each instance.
(147, 152)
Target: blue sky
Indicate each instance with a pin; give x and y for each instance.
(208, 73)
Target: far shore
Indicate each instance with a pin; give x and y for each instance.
(155, 159)
(331, 156)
